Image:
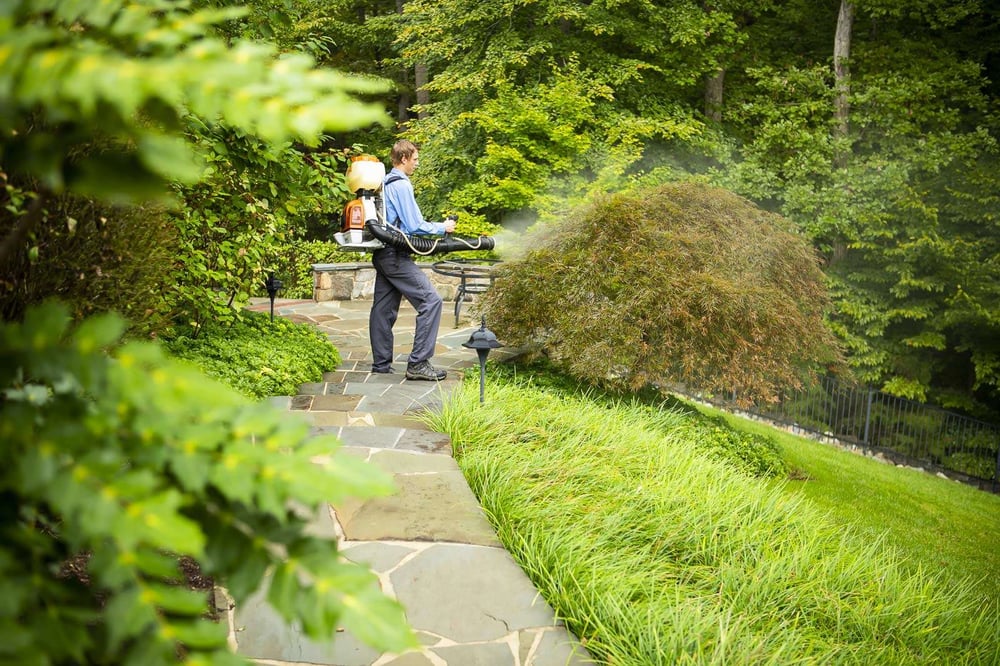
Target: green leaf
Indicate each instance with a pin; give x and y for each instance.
(176, 599)
(112, 568)
(192, 469)
(127, 615)
(118, 179)
(284, 589)
(319, 555)
(218, 658)
(927, 339)
(171, 157)
(270, 494)
(200, 634)
(64, 632)
(156, 522)
(246, 578)
(43, 327)
(101, 512)
(15, 640)
(905, 387)
(13, 594)
(156, 563)
(378, 620)
(98, 333)
(232, 476)
(155, 650)
(340, 477)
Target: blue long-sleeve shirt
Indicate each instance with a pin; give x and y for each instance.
(401, 209)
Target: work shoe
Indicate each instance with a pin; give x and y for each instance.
(425, 371)
(383, 371)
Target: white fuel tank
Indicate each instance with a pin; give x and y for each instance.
(366, 172)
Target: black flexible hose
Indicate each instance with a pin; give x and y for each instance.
(423, 245)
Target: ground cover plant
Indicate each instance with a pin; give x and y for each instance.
(258, 356)
(656, 553)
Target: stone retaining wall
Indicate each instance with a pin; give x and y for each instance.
(356, 282)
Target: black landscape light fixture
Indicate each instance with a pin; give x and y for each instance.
(272, 284)
(482, 341)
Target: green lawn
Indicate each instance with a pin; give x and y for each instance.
(941, 524)
(656, 552)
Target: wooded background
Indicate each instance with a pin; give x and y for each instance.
(872, 125)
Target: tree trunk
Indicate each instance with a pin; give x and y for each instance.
(419, 81)
(405, 100)
(403, 103)
(842, 74)
(842, 104)
(713, 95)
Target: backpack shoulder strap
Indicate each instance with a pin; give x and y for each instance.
(389, 181)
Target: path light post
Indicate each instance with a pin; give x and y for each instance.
(482, 341)
(272, 284)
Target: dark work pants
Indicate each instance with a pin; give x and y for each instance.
(396, 276)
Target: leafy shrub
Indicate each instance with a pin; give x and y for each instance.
(246, 219)
(680, 284)
(259, 357)
(979, 466)
(225, 126)
(471, 224)
(118, 457)
(95, 257)
(756, 455)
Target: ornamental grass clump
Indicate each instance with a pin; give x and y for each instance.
(684, 283)
(655, 553)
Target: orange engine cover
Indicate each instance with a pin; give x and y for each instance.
(354, 216)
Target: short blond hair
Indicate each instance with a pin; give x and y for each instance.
(401, 150)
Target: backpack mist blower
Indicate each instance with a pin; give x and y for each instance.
(364, 226)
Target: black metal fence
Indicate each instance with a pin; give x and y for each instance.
(917, 433)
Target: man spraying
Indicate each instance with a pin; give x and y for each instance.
(397, 275)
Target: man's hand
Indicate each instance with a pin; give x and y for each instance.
(449, 224)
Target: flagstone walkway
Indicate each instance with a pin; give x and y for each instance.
(430, 543)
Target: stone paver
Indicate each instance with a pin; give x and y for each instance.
(430, 543)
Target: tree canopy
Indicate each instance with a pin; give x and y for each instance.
(870, 124)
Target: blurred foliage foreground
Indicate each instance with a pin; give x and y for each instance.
(117, 457)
